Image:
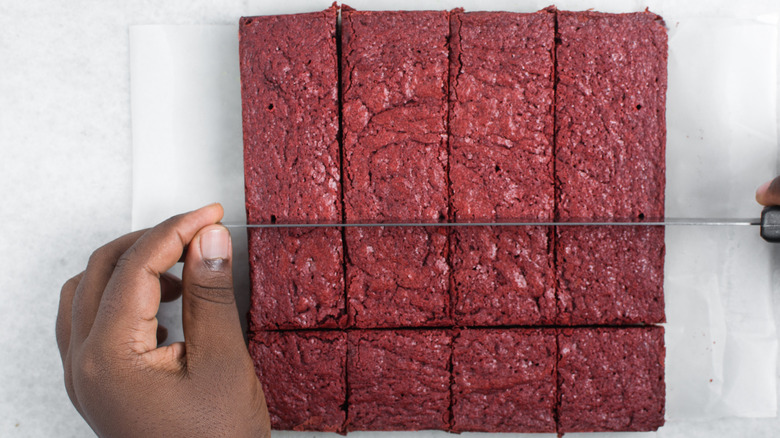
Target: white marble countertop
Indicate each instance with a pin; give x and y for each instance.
(65, 176)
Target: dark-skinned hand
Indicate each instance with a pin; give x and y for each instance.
(118, 377)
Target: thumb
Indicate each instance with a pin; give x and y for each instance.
(769, 193)
(212, 331)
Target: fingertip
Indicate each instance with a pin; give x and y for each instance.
(761, 193)
(214, 210)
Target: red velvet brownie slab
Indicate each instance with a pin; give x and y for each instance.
(611, 379)
(289, 91)
(303, 374)
(399, 379)
(610, 164)
(501, 145)
(504, 380)
(394, 109)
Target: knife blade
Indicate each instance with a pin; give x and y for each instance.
(769, 223)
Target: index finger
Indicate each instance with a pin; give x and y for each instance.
(128, 309)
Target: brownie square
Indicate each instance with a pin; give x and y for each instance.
(610, 165)
(610, 275)
(611, 379)
(297, 278)
(394, 114)
(303, 374)
(610, 116)
(399, 380)
(503, 276)
(289, 94)
(504, 380)
(501, 115)
(397, 277)
(501, 149)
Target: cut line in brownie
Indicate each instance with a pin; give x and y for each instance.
(289, 94)
(504, 380)
(611, 379)
(399, 379)
(303, 374)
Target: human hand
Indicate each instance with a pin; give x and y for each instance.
(116, 375)
(769, 193)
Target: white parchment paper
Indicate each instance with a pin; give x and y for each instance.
(722, 143)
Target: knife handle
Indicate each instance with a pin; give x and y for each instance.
(770, 224)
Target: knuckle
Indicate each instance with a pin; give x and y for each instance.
(71, 284)
(125, 259)
(89, 366)
(99, 256)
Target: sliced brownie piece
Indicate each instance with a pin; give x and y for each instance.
(610, 115)
(501, 144)
(297, 278)
(399, 379)
(611, 379)
(397, 277)
(394, 111)
(303, 377)
(610, 164)
(289, 93)
(503, 276)
(501, 115)
(610, 275)
(504, 380)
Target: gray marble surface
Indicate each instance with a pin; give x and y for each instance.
(65, 179)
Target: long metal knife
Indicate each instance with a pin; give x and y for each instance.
(769, 223)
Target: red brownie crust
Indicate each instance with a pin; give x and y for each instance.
(303, 374)
(399, 379)
(394, 114)
(501, 149)
(611, 379)
(504, 380)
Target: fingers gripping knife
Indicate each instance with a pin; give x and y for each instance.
(769, 224)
